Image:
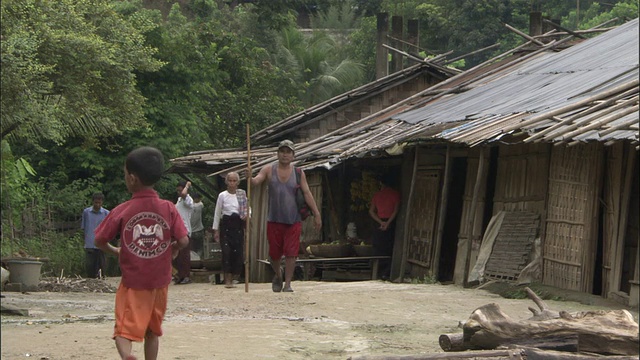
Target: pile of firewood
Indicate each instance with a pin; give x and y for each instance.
(77, 284)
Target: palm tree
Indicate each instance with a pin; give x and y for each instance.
(315, 61)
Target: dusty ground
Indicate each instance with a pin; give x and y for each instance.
(320, 320)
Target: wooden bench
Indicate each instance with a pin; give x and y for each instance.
(371, 263)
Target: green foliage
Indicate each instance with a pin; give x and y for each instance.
(363, 46)
(65, 253)
(426, 279)
(68, 69)
(316, 66)
(341, 16)
(595, 15)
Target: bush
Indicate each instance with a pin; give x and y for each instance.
(63, 252)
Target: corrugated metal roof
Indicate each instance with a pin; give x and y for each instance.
(550, 80)
(587, 92)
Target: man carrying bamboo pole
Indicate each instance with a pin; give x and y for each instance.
(284, 222)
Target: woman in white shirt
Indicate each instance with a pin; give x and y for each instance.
(229, 221)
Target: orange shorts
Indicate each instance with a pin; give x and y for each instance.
(139, 310)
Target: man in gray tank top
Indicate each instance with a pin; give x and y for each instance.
(283, 221)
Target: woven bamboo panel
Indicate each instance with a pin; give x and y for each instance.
(512, 246)
(423, 212)
(258, 243)
(354, 111)
(569, 243)
(521, 181)
(309, 235)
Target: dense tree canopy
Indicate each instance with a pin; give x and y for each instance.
(68, 69)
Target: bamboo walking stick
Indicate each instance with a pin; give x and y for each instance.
(247, 227)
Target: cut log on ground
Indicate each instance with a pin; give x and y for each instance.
(610, 332)
(505, 354)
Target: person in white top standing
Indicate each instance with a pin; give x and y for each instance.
(229, 222)
(185, 209)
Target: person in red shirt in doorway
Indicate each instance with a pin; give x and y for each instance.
(383, 210)
(151, 234)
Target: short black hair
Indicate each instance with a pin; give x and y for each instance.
(182, 183)
(97, 196)
(147, 163)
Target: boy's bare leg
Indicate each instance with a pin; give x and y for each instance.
(124, 348)
(151, 345)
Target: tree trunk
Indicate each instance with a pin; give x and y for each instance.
(609, 332)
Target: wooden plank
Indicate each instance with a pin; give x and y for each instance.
(616, 274)
(442, 212)
(337, 259)
(382, 62)
(473, 208)
(407, 217)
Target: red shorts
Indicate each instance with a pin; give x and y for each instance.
(139, 310)
(284, 239)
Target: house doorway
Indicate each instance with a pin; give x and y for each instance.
(449, 246)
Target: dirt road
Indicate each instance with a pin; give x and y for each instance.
(320, 320)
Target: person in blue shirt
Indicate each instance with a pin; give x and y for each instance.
(91, 218)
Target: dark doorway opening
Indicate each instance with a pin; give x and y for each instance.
(449, 247)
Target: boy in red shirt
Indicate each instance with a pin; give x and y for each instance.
(151, 234)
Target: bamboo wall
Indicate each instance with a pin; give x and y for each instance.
(309, 234)
(569, 246)
(258, 245)
(355, 111)
(521, 179)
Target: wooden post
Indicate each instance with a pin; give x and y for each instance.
(472, 216)
(247, 228)
(442, 213)
(618, 253)
(535, 23)
(407, 217)
(413, 36)
(396, 32)
(382, 62)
